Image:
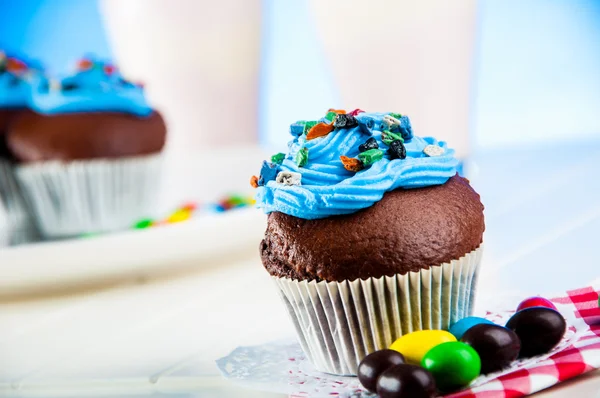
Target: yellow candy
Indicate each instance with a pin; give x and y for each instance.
(415, 345)
(179, 216)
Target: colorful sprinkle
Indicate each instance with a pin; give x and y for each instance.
(319, 130)
(84, 64)
(15, 65)
(371, 156)
(352, 164)
(345, 121)
(143, 224)
(308, 126)
(433, 150)
(289, 178)
(109, 69)
(179, 216)
(298, 128)
(406, 128)
(356, 112)
(371, 143)
(278, 158)
(337, 111)
(388, 137)
(330, 116)
(190, 206)
(254, 182)
(397, 150)
(391, 121)
(302, 157)
(268, 172)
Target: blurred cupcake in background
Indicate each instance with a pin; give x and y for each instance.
(16, 78)
(90, 153)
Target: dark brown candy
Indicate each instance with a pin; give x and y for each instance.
(371, 143)
(406, 381)
(497, 346)
(374, 364)
(344, 121)
(397, 150)
(540, 330)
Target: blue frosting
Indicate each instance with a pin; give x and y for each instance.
(90, 90)
(328, 189)
(15, 86)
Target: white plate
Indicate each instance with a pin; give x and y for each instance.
(200, 242)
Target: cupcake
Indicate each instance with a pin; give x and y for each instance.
(15, 87)
(371, 234)
(89, 152)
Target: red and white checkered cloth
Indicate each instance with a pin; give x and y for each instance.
(581, 355)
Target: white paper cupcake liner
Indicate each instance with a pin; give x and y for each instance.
(339, 323)
(90, 196)
(19, 226)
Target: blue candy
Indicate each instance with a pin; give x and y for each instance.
(297, 129)
(406, 128)
(268, 172)
(461, 327)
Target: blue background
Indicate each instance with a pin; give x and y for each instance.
(537, 75)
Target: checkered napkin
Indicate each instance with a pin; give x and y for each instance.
(581, 355)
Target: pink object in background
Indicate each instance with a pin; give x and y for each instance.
(412, 57)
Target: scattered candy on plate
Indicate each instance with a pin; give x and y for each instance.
(415, 345)
(453, 365)
(459, 328)
(536, 302)
(497, 346)
(540, 329)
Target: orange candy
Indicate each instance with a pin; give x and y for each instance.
(15, 65)
(254, 181)
(338, 111)
(319, 130)
(84, 64)
(351, 164)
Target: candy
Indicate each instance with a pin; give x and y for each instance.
(278, 158)
(433, 150)
(254, 182)
(416, 344)
(497, 346)
(319, 130)
(143, 224)
(459, 328)
(397, 150)
(536, 302)
(388, 137)
(15, 65)
(453, 365)
(302, 157)
(391, 121)
(109, 69)
(371, 367)
(289, 178)
(356, 112)
(345, 121)
(179, 216)
(189, 206)
(406, 381)
(84, 64)
(371, 156)
(268, 172)
(330, 116)
(539, 329)
(352, 164)
(308, 126)
(371, 143)
(405, 128)
(297, 129)
(336, 111)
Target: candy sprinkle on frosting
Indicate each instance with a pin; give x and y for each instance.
(355, 158)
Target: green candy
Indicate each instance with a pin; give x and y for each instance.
(143, 224)
(302, 157)
(396, 115)
(371, 156)
(278, 158)
(330, 116)
(388, 137)
(453, 365)
(309, 125)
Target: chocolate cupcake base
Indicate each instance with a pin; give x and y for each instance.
(91, 196)
(339, 323)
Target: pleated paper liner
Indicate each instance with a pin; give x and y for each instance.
(89, 196)
(339, 323)
(19, 225)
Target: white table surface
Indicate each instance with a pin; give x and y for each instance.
(161, 334)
